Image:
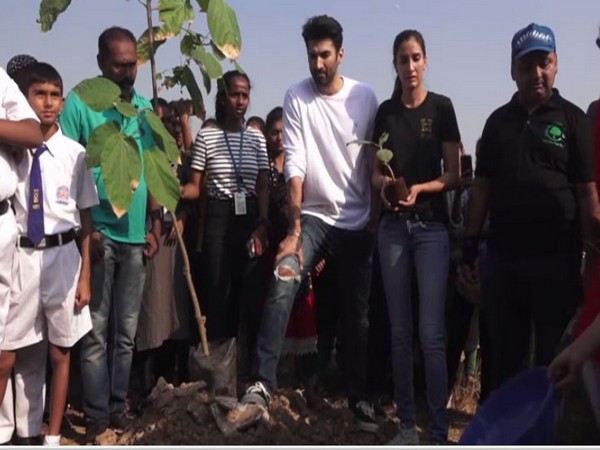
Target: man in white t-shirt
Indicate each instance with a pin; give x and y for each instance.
(329, 195)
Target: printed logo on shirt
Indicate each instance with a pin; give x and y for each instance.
(426, 127)
(62, 195)
(554, 134)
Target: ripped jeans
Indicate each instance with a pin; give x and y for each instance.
(351, 254)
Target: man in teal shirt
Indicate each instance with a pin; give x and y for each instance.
(119, 245)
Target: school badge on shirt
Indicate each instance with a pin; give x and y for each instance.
(62, 195)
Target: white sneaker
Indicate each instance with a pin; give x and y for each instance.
(52, 441)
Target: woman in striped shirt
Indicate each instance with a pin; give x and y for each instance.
(234, 161)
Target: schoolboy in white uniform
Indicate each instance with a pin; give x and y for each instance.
(18, 127)
(51, 288)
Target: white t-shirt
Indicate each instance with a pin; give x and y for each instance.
(316, 131)
(67, 185)
(13, 106)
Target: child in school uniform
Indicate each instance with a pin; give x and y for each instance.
(18, 128)
(51, 285)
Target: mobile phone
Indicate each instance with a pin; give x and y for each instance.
(466, 166)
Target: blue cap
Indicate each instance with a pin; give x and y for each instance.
(531, 38)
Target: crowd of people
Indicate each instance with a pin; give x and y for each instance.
(302, 238)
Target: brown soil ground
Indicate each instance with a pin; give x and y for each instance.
(183, 416)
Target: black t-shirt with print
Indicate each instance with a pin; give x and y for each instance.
(533, 162)
(416, 137)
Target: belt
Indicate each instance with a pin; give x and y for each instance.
(3, 207)
(48, 241)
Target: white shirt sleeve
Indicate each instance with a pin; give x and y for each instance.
(87, 195)
(293, 139)
(14, 104)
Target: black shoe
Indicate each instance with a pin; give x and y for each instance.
(119, 422)
(32, 440)
(93, 430)
(365, 417)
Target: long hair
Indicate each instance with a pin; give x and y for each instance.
(223, 85)
(402, 37)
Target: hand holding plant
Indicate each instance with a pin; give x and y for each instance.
(393, 190)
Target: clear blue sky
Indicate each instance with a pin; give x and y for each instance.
(468, 45)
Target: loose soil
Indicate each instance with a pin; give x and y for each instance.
(183, 416)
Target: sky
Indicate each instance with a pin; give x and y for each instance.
(468, 46)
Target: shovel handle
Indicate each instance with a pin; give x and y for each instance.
(200, 319)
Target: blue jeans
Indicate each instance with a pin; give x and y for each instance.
(107, 350)
(406, 242)
(351, 255)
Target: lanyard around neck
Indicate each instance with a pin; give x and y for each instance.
(237, 167)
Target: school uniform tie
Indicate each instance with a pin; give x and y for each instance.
(35, 207)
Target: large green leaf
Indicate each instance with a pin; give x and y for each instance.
(189, 81)
(207, 62)
(159, 36)
(203, 4)
(98, 93)
(161, 182)
(163, 138)
(49, 12)
(173, 14)
(121, 170)
(224, 28)
(97, 141)
(126, 108)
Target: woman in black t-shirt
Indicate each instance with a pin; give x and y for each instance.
(423, 134)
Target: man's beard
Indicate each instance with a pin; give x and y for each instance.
(126, 88)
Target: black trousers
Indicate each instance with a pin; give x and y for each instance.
(231, 283)
(521, 291)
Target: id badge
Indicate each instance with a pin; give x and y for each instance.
(239, 203)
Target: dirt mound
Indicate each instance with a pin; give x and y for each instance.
(188, 415)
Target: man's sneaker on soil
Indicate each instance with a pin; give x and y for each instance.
(405, 436)
(257, 394)
(365, 417)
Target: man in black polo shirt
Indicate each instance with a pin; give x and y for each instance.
(535, 173)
